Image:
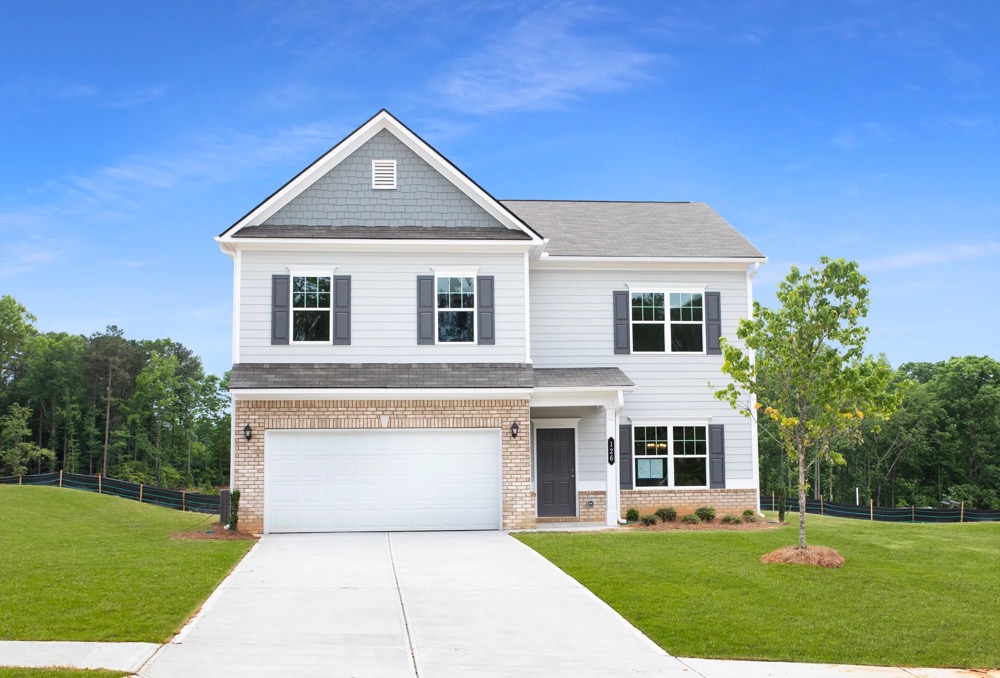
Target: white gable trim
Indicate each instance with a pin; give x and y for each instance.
(383, 120)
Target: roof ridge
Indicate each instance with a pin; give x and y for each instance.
(651, 202)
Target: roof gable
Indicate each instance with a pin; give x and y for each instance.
(313, 196)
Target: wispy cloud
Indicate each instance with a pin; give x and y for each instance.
(138, 97)
(545, 61)
(937, 255)
(26, 256)
(859, 135)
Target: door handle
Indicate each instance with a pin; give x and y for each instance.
(572, 474)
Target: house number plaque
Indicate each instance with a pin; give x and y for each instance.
(611, 451)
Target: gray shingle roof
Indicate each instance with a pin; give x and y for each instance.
(632, 229)
(419, 375)
(581, 377)
(382, 232)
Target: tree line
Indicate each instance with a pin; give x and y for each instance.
(140, 410)
(940, 446)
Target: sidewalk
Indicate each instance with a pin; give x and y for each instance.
(728, 668)
(40, 654)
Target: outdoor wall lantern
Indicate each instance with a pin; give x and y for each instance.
(514, 428)
(247, 432)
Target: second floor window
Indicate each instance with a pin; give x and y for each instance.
(659, 329)
(311, 310)
(456, 309)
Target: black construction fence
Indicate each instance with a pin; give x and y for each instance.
(146, 494)
(909, 514)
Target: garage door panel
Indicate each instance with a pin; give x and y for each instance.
(382, 480)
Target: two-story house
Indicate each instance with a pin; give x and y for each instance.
(411, 353)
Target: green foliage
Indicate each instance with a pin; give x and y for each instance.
(668, 514)
(731, 519)
(749, 516)
(632, 515)
(17, 454)
(824, 386)
(691, 519)
(80, 566)
(924, 588)
(705, 513)
(651, 519)
(15, 329)
(234, 510)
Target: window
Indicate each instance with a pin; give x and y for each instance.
(456, 309)
(311, 312)
(685, 328)
(671, 456)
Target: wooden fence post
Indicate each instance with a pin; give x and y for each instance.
(961, 517)
(140, 493)
(18, 478)
(913, 514)
(821, 504)
(183, 500)
(871, 509)
(60, 477)
(773, 507)
(99, 489)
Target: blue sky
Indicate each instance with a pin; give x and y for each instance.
(132, 133)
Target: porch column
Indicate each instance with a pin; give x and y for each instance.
(612, 496)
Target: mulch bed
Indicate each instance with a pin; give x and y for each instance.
(699, 527)
(818, 556)
(214, 531)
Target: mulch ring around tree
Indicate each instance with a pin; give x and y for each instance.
(716, 525)
(818, 556)
(214, 531)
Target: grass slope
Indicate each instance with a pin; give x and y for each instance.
(58, 673)
(83, 566)
(911, 595)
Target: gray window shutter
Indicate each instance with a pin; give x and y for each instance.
(625, 456)
(342, 310)
(425, 309)
(485, 320)
(622, 342)
(716, 456)
(280, 301)
(713, 323)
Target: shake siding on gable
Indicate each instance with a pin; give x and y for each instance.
(572, 326)
(383, 307)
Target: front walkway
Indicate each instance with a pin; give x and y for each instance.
(39, 654)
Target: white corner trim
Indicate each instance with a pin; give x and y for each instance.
(527, 312)
(237, 286)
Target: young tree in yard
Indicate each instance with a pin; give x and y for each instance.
(813, 347)
(15, 452)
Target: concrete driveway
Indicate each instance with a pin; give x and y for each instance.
(428, 604)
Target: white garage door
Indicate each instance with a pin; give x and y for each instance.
(328, 481)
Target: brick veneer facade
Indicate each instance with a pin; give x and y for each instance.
(263, 415)
(686, 501)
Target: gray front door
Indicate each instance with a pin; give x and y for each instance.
(556, 472)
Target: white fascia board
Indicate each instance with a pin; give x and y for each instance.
(546, 261)
(382, 120)
(379, 393)
(376, 244)
(603, 390)
(565, 398)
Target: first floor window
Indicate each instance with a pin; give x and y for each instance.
(456, 309)
(671, 456)
(311, 312)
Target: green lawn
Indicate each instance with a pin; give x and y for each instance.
(911, 595)
(82, 566)
(58, 673)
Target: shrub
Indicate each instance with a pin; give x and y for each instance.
(667, 514)
(234, 509)
(651, 519)
(691, 519)
(731, 519)
(632, 515)
(749, 516)
(706, 513)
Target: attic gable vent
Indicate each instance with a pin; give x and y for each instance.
(384, 174)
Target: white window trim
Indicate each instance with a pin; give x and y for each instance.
(474, 309)
(666, 292)
(307, 273)
(394, 176)
(669, 457)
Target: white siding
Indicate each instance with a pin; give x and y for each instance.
(571, 326)
(383, 307)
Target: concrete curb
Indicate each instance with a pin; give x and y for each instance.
(40, 654)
